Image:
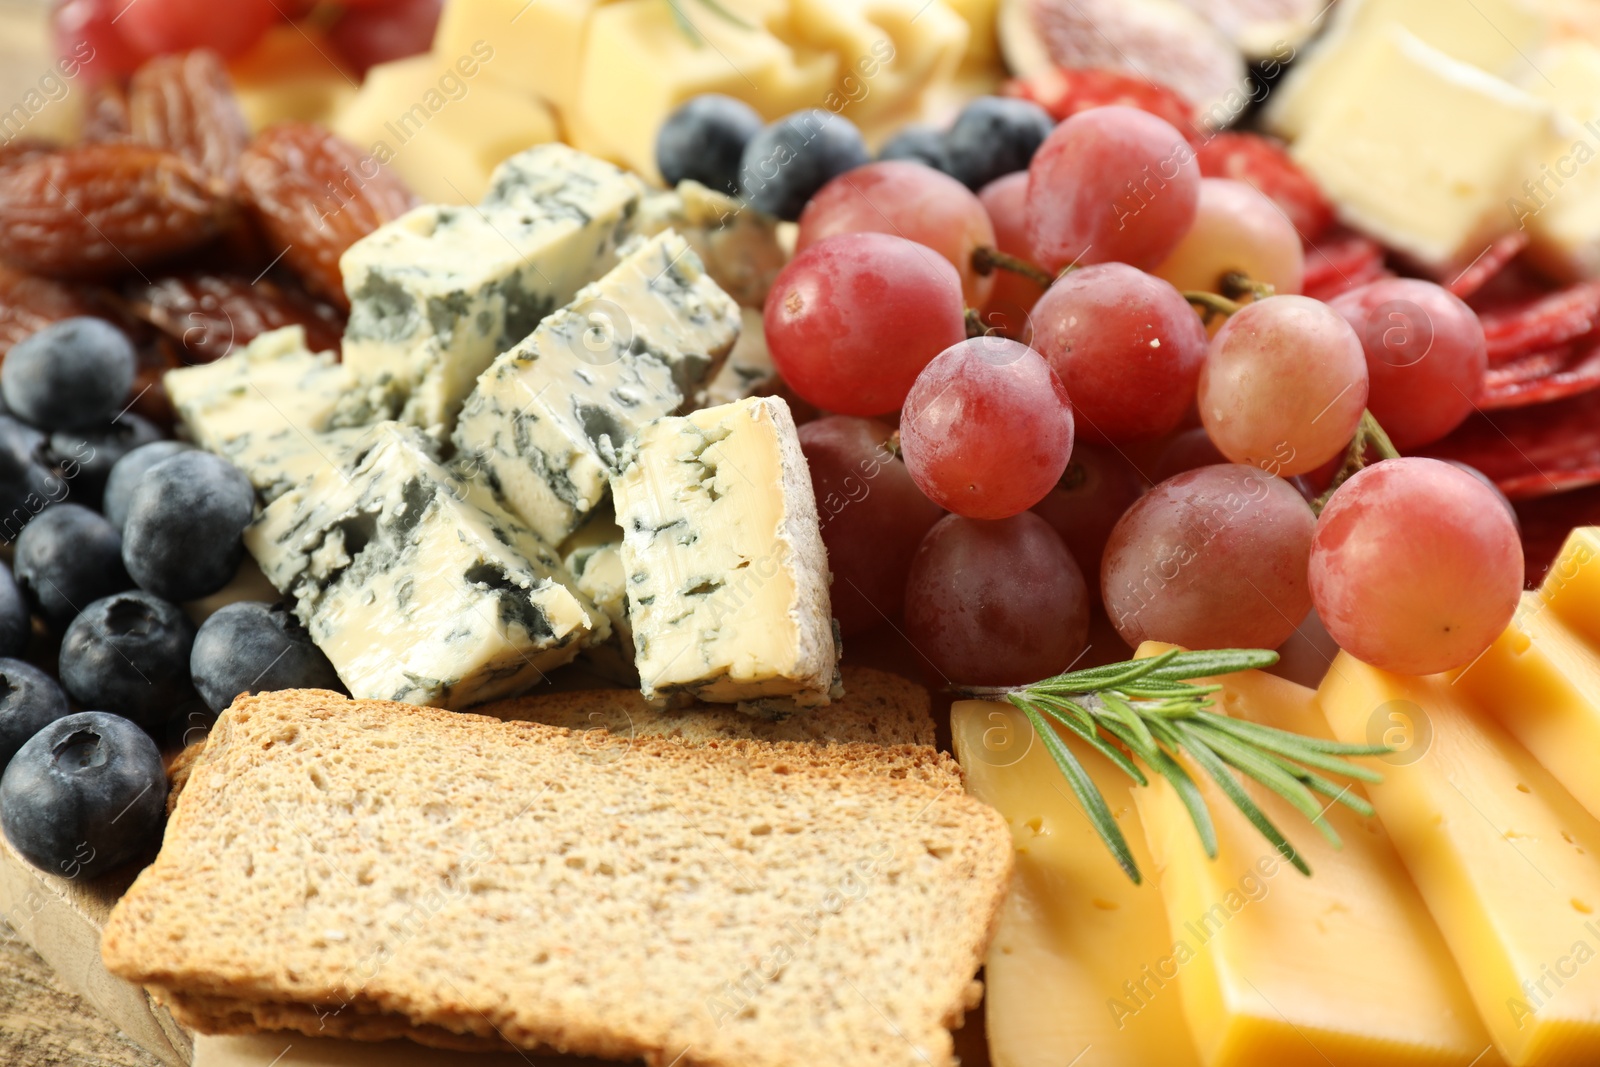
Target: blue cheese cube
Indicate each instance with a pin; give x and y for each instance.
(417, 585)
(547, 419)
(436, 294)
(593, 555)
(727, 577)
(739, 245)
(270, 408)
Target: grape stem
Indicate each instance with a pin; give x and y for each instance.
(1149, 710)
(1211, 305)
(1235, 286)
(974, 321)
(1370, 437)
(987, 260)
(1238, 285)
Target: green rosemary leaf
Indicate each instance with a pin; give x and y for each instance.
(1121, 710)
(1291, 745)
(1212, 764)
(1092, 737)
(1270, 774)
(1314, 744)
(1205, 663)
(723, 13)
(685, 25)
(1083, 787)
(1094, 679)
(1173, 772)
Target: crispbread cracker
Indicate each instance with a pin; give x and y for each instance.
(739, 903)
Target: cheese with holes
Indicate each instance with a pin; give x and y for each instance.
(441, 123)
(727, 576)
(269, 408)
(546, 421)
(1283, 966)
(738, 244)
(416, 584)
(593, 554)
(1081, 969)
(436, 294)
(1424, 152)
(1507, 861)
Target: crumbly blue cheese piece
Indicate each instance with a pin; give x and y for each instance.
(748, 370)
(593, 555)
(739, 245)
(417, 585)
(547, 419)
(727, 577)
(268, 408)
(436, 294)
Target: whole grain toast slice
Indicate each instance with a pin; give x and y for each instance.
(732, 904)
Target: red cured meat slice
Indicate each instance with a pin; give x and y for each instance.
(1532, 451)
(1258, 161)
(1542, 323)
(1341, 261)
(1541, 377)
(1493, 260)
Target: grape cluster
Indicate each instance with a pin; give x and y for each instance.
(1138, 397)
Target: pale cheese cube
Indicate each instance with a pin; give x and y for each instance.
(727, 575)
(1560, 203)
(538, 44)
(593, 554)
(1424, 151)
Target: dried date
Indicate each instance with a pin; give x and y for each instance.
(209, 315)
(185, 104)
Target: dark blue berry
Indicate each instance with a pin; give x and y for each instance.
(920, 144)
(67, 557)
(995, 136)
(73, 373)
(704, 140)
(127, 473)
(129, 653)
(30, 700)
(85, 457)
(16, 620)
(181, 539)
(251, 647)
(787, 162)
(27, 482)
(84, 795)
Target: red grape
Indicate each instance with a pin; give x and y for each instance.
(370, 34)
(1013, 295)
(1238, 229)
(873, 517)
(1127, 346)
(987, 428)
(1284, 385)
(1097, 488)
(1416, 567)
(909, 200)
(1214, 558)
(160, 26)
(1425, 356)
(1111, 184)
(853, 319)
(1186, 451)
(84, 31)
(996, 603)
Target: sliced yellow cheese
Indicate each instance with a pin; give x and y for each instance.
(538, 43)
(1345, 967)
(1081, 967)
(1559, 203)
(1507, 861)
(1572, 585)
(441, 124)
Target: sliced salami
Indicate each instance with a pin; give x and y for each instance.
(1532, 451)
(1541, 323)
(1340, 261)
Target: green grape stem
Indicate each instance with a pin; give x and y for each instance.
(1369, 437)
(987, 260)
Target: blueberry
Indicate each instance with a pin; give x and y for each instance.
(920, 144)
(85, 457)
(704, 139)
(73, 373)
(27, 482)
(30, 700)
(84, 795)
(181, 538)
(995, 136)
(16, 622)
(251, 647)
(787, 162)
(66, 557)
(129, 653)
(128, 471)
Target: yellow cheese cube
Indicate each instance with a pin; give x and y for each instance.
(1559, 203)
(538, 43)
(1506, 859)
(1423, 151)
(1346, 964)
(1572, 585)
(290, 75)
(1081, 968)
(639, 64)
(890, 51)
(1496, 36)
(441, 124)
(983, 41)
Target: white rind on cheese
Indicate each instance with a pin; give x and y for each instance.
(436, 294)
(270, 408)
(545, 423)
(418, 586)
(727, 575)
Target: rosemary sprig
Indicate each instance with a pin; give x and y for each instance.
(716, 8)
(1148, 712)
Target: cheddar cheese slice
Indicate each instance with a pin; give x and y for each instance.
(1507, 861)
(1081, 970)
(1345, 967)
